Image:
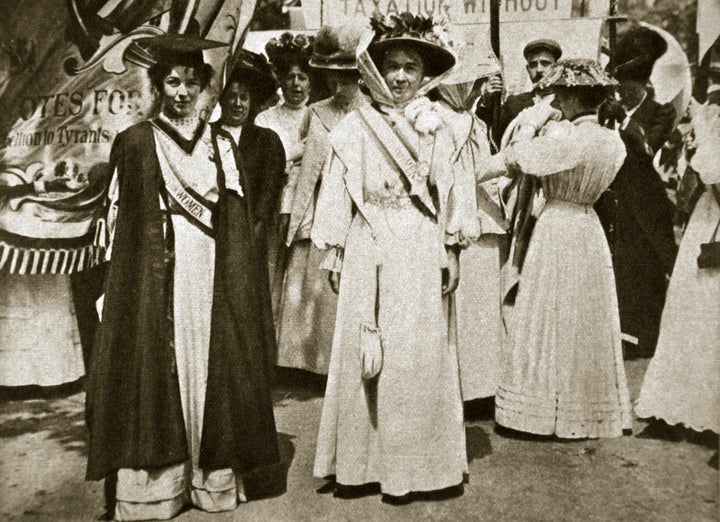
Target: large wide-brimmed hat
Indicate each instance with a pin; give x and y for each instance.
(421, 33)
(576, 72)
(254, 70)
(636, 54)
(179, 49)
(335, 47)
(543, 44)
(289, 50)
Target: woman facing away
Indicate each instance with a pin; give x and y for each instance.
(682, 383)
(178, 402)
(307, 307)
(386, 193)
(564, 372)
(478, 302)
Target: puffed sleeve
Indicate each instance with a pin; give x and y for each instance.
(333, 213)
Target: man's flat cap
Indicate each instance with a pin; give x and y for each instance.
(543, 44)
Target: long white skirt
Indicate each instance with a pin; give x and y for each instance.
(479, 320)
(161, 494)
(405, 428)
(307, 311)
(682, 383)
(39, 338)
(564, 372)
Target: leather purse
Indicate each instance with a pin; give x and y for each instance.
(371, 341)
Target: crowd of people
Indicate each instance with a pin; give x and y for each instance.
(395, 238)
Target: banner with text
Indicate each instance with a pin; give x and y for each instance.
(71, 78)
(576, 25)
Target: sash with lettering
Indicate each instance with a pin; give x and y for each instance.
(195, 207)
(404, 157)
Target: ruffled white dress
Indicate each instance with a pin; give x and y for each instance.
(682, 383)
(564, 371)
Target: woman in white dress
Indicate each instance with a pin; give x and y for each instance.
(386, 194)
(682, 383)
(39, 338)
(478, 302)
(307, 307)
(564, 372)
(289, 56)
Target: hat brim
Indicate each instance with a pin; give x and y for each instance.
(262, 86)
(173, 48)
(349, 66)
(436, 59)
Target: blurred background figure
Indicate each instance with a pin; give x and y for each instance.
(39, 336)
(307, 308)
(682, 383)
(636, 212)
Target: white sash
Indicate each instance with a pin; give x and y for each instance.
(193, 204)
(400, 155)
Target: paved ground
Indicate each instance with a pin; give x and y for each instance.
(638, 477)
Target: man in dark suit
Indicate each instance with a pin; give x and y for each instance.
(636, 212)
(540, 55)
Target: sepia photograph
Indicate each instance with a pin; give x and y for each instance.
(360, 260)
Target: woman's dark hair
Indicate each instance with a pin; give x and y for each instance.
(158, 71)
(590, 97)
(255, 89)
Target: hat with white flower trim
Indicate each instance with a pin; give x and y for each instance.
(576, 72)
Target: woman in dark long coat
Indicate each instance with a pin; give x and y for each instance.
(179, 407)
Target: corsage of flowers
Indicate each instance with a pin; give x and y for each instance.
(424, 115)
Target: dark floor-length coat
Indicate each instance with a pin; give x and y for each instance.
(261, 156)
(134, 413)
(637, 215)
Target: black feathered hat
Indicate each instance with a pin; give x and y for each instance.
(636, 54)
(253, 69)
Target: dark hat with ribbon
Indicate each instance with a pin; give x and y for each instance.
(636, 54)
(253, 70)
(335, 47)
(422, 34)
(179, 49)
(543, 44)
